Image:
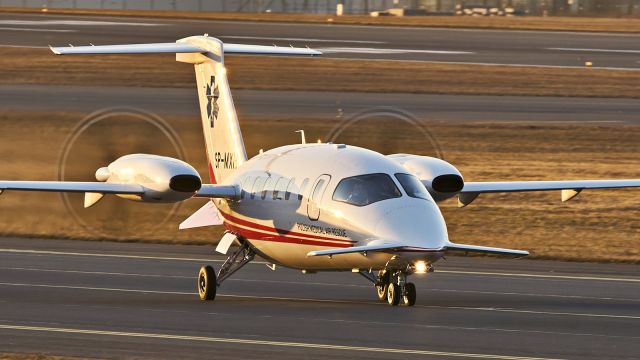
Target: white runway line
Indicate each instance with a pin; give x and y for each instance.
(205, 260)
(596, 278)
(262, 342)
(300, 39)
(74, 23)
(522, 311)
(23, 46)
(598, 50)
(360, 50)
(38, 30)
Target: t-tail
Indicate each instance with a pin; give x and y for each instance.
(222, 136)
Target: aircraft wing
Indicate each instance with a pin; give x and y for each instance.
(73, 186)
(569, 189)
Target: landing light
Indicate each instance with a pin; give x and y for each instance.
(421, 267)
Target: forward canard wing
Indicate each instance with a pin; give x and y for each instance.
(396, 248)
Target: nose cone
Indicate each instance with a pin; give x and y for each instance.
(418, 223)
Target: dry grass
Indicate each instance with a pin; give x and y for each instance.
(624, 25)
(25, 356)
(597, 226)
(35, 66)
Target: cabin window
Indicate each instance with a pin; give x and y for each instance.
(281, 187)
(367, 189)
(290, 189)
(412, 186)
(257, 187)
(269, 186)
(245, 186)
(303, 187)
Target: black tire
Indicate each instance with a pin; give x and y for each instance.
(393, 294)
(381, 290)
(207, 283)
(409, 297)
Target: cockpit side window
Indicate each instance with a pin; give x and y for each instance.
(413, 187)
(367, 189)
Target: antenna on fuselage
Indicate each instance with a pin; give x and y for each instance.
(304, 140)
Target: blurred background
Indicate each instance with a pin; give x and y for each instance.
(613, 8)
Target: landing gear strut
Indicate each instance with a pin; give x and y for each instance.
(208, 282)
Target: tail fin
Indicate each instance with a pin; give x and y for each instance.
(223, 139)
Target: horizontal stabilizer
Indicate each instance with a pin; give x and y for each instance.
(157, 48)
(484, 250)
(180, 48)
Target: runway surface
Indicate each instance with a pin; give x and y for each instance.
(325, 105)
(539, 48)
(138, 300)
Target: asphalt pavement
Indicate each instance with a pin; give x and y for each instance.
(508, 47)
(104, 299)
(315, 105)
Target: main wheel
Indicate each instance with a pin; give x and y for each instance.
(382, 291)
(409, 297)
(207, 283)
(393, 294)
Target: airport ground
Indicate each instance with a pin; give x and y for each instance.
(600, 24)
(135, 299)
(114, 300)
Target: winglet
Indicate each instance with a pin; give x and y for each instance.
(54, 50)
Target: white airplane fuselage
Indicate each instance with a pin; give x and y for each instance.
(287, 209)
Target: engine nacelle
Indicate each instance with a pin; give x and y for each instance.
(164, 179)
(442, 179)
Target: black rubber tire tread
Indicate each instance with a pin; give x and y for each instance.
(409, 297)
(393, 294)
(207, 290)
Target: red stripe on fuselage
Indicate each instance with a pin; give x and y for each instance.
(255, 235)
(280, 232)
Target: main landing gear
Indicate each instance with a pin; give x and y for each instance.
(208, 281)
(392, 287)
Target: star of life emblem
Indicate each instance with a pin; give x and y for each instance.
(212, 100)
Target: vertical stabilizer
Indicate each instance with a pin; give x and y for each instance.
(222, 136)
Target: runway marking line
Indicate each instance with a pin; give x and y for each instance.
(319, 300)
(38, 30)
(481, 273)
(264, 342)
(598, 50)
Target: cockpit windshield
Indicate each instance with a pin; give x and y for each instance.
(413, 187)
(367, 189)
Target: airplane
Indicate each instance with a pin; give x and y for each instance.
(307, 206)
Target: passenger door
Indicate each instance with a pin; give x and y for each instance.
(315, 197)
